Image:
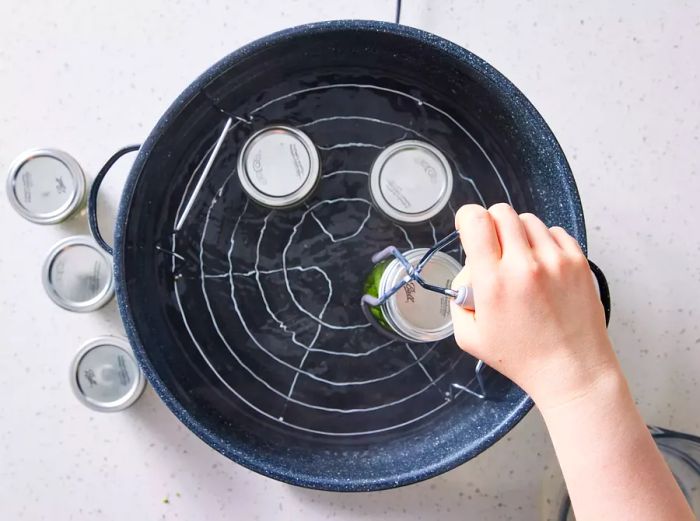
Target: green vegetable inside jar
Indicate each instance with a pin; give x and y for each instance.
(414, 313)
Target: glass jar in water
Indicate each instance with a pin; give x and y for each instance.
(411, 182)
(414, 313)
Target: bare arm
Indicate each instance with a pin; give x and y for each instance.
(539, 321)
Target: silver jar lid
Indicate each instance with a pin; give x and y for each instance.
(279, 167)
(415, 313)
(46, 186)
(77, 275)
(411, 181)
(105, 376)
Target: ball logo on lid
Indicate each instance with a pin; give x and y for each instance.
(60, 185)
(43, 187)
(410, 290)
(90, 377)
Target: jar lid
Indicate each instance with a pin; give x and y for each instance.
(411, 181)
(279, 166)
(77, 275)
(105, 376)
(46, 186)
(414, 312)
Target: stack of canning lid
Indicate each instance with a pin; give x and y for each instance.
(48, 186)
(410, 182)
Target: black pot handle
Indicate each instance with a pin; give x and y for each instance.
(603, 288)
(94, 190)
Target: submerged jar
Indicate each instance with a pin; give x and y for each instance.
(411, 181)
(414, 313)
(279, 167)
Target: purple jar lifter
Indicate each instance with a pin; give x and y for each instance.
(463, 296)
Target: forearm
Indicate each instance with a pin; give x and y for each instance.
(539, 321)
(611, 465)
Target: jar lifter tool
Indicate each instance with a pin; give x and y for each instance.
(463, 296)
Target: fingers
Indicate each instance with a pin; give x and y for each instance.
(538, 235)
(565, 241)
(478, 235)
(510, 231)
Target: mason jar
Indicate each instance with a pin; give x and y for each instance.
(414, 313)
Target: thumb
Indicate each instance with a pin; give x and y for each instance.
(463, 320)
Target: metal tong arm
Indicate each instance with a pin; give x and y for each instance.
(463, 296)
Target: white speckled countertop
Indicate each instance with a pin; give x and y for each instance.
(617, 83)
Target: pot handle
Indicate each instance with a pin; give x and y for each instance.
(94, 190)
(603, 289)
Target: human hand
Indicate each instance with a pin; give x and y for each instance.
(538, 318)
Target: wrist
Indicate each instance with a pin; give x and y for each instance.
(563, 381)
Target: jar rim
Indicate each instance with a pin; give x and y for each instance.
(392, 310)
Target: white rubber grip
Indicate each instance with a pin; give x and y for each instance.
(465, 297)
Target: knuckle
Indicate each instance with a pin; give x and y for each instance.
(557, 264)
(578, 260)
(568, 262)
(532, 268)
(558, 229)
(471, 212)
(535, 272)
(529, 272)
(500, 209)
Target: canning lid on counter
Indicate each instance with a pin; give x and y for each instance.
(46, 186)
(411, 181)
(105, 376)
(279, 167)
(77, 275)
(414, 313)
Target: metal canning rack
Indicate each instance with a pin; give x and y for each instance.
(449, 389)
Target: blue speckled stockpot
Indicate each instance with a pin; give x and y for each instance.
(505, 122)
